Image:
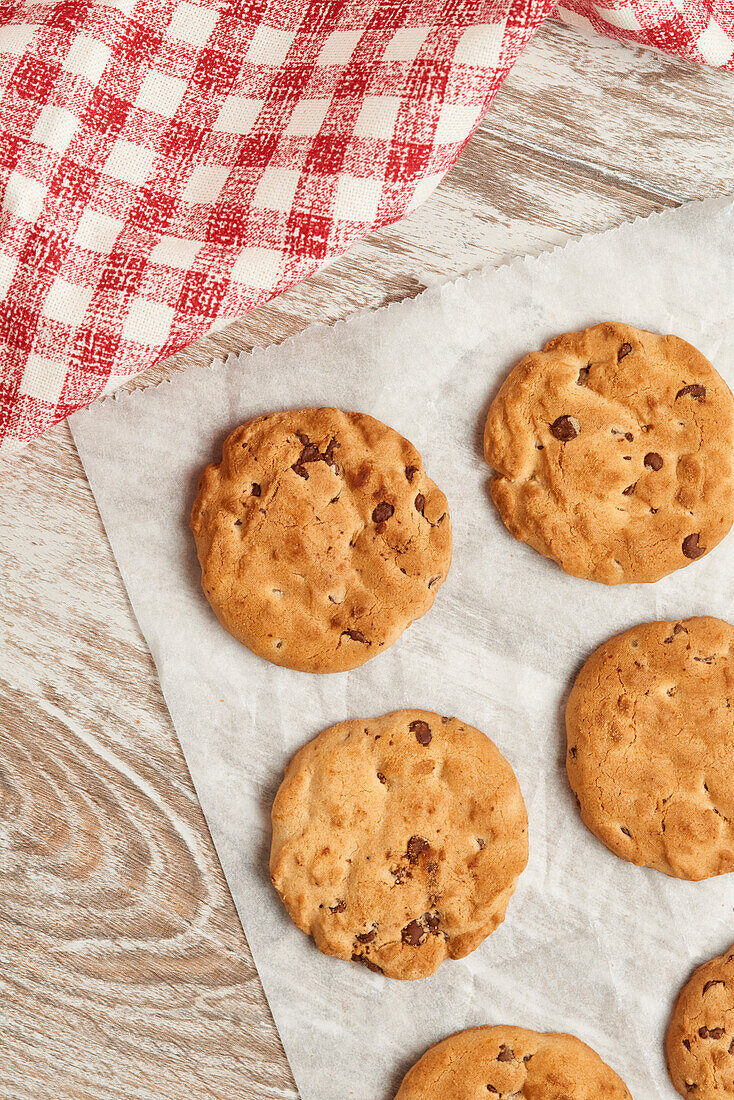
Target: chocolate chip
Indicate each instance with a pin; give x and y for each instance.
(381, 777)
(624, 350)
(416, 846)
(422, 731)
(679, 629)
(355, 635)
(565, 428)
(310, 453)
(572, 752)
(653, 460)
(687, 1044)
(703, 1032)
(366, 937)
(491, 1088)
(382, 512)
(481, 844)
(302, 438)
(699, 392)
(362, 475)
(583, 375)
(367, 962)
(505, 1054)
(413, 934)
(625, 830)
(716, 1033)
(339, 907)
(629, 490)
(709, 984)
(691, 549)
(300, 470)
(420, 503)
(328, 456)
(432, 922)
(256, 490)
(705, 661)
(410, 472)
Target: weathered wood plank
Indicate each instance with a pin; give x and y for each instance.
(123, 970)
(634, 115)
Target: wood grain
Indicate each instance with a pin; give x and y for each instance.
(123, 969)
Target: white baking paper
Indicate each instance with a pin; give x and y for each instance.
(591, 944)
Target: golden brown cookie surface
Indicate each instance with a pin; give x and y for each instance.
(613, 452)
(320, 537)
(398, 841)
(700, 1039)
(499, 1063)
(650, 729)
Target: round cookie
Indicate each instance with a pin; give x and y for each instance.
(700, 1039)
(398, 841)
(497, 1063)
(649, 723)
(614, 453)
(320, 537)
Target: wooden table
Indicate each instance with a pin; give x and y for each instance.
(124, 972)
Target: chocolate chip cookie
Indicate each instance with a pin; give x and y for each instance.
(650, 724)
(503, 1062)
(700, 1039)
(613, 452)
(398, 841)
(320, 537)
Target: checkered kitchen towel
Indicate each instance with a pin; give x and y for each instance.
(164, 163)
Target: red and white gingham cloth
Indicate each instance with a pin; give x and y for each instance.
(168, 163)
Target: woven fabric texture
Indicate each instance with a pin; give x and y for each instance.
(165, 164)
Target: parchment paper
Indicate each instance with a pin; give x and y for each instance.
(591, 944)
